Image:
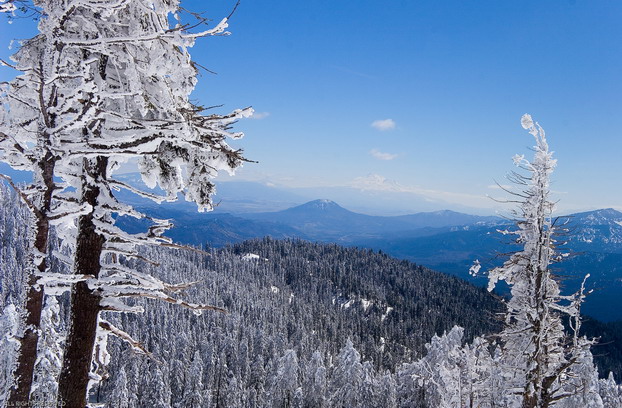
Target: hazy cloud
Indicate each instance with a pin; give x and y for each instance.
(260, 115)
(383, 124)
(381, 155)
(376, 182)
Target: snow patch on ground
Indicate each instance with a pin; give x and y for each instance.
(366, 303)
(384, 316)
(274, 289)
(253, 257)
(347, 304)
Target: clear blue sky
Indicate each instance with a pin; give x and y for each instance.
(454, 78)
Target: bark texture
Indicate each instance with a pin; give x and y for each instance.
(19, 394)
(85, 303)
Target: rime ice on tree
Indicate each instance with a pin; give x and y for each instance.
(542, 363)
(104, 83)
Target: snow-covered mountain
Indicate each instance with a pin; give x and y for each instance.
(599, 230)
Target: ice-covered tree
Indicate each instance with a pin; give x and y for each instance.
(540, 361)
(30, 117)
(114, 85)
(49, 354)
(120, 396)
(9, 326)
(436, 378)
(347, 378)
(193, 394)
(285, 381)
(314, 382)
(610, 392)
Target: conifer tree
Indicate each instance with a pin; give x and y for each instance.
(31, 116)
(347, 378)
(538, 357)
(112, 83)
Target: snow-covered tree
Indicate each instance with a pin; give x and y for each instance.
(314, 383)
(143, 76)
(9, 326)
(438, 374)
(538, 358)
(194, 394)
(285, 380)
(113, 83)
(29, 120)
(347, 378)
(49, 354)
(120, 396)
(610, 392)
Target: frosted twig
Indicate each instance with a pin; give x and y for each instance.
(136, 345)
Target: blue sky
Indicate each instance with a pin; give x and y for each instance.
(445, 84)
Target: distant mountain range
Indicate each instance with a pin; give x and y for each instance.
(446, 241)
(325, 220)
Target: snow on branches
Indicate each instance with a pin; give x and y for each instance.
(103, 83)
(542, 363)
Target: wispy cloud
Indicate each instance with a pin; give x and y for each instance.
(260, 115)
(376, 182)
(381, 155)
(383, 124)
(353, 72)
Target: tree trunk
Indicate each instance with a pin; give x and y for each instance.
(20, 392)
(85, 303)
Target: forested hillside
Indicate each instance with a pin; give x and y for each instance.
(302, 318)
(288, 303)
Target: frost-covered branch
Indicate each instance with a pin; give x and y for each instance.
(535, 353)
(136, 345)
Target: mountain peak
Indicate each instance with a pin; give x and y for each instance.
(322, 204)
(605, 216)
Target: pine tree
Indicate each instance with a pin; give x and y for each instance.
(9, 326)
(314, 383)
(285, 381)
(120, 81)
(193, 394)
(30, 120)
(347, 378)
(120, 397)
(611, 392)
(49, 354)
(537, 355)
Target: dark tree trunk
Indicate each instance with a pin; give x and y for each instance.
(85, 303)
(20, 392)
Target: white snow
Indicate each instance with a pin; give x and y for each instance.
(347, 304)
(274, 289)
(366, 303)
(253, 257)
(384, 316)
